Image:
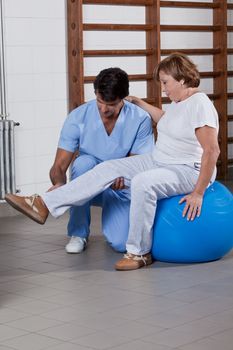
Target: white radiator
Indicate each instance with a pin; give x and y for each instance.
(7, 157)
(7, 147)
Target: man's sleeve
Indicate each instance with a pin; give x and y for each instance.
(70, 134)
(144, 140)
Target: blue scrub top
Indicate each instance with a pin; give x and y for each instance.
(84, 130)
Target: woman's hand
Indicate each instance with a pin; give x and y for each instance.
(130, 98)
(193, 205)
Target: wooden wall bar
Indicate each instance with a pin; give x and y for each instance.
(153, 53)
(220, 81)
(75, 53)
(153, 43)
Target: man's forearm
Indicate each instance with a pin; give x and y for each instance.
(57, 176)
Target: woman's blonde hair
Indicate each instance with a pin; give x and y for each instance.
(180, 67)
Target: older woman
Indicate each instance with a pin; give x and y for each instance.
(183, 162)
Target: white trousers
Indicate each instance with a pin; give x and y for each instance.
(149, 181)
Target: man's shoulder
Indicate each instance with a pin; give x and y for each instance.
(81, 111)
(84, 106)
(136, 112)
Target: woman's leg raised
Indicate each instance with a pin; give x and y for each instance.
(95, 181)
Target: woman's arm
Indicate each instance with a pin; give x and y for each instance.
(208, 139)
(154, 112)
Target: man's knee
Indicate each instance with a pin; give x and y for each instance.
(82, 164)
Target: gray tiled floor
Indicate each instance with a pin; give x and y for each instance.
(55, 301)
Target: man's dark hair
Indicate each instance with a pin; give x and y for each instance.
(111, 84)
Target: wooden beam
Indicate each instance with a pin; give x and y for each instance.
(99, 53)
(189, 28)
(153, 42)
(186, 4)
(118, 2)
(220, 82)
(132, 77)
(210, 74)
(165, 52)
(121, 27)
(75, 53)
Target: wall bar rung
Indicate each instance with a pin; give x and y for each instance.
(132, 77)
(190, 4)
(96, 53)
(189, 28)
(166, 52)
(210, 74)
(113, 26)
(119, 2)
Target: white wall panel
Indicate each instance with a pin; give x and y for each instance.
(37, 84)
(230, 151)
(230, 129)
(184, 40)
(35, 8)
(113, 14)
(132, 65)
(186, 16)
(113, 40)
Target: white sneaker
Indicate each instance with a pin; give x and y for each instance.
(76, 245)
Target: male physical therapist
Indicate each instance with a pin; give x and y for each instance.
(108, 127)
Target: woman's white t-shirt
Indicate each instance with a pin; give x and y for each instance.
(177, 142)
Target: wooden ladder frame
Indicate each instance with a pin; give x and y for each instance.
(153, 52)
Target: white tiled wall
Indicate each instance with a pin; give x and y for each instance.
(35, 34)
(37, 71)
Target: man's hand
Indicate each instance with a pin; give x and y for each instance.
(118, 184)
(193, 205)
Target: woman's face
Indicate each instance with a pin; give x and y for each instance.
(173, 89)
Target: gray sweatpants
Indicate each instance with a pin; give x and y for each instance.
(149, 181)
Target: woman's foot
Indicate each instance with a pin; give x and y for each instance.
(32, 206)
(133, 262)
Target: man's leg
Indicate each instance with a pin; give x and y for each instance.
(115, 217)
(79, 222)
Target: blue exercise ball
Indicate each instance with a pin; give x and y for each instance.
(207, 238)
